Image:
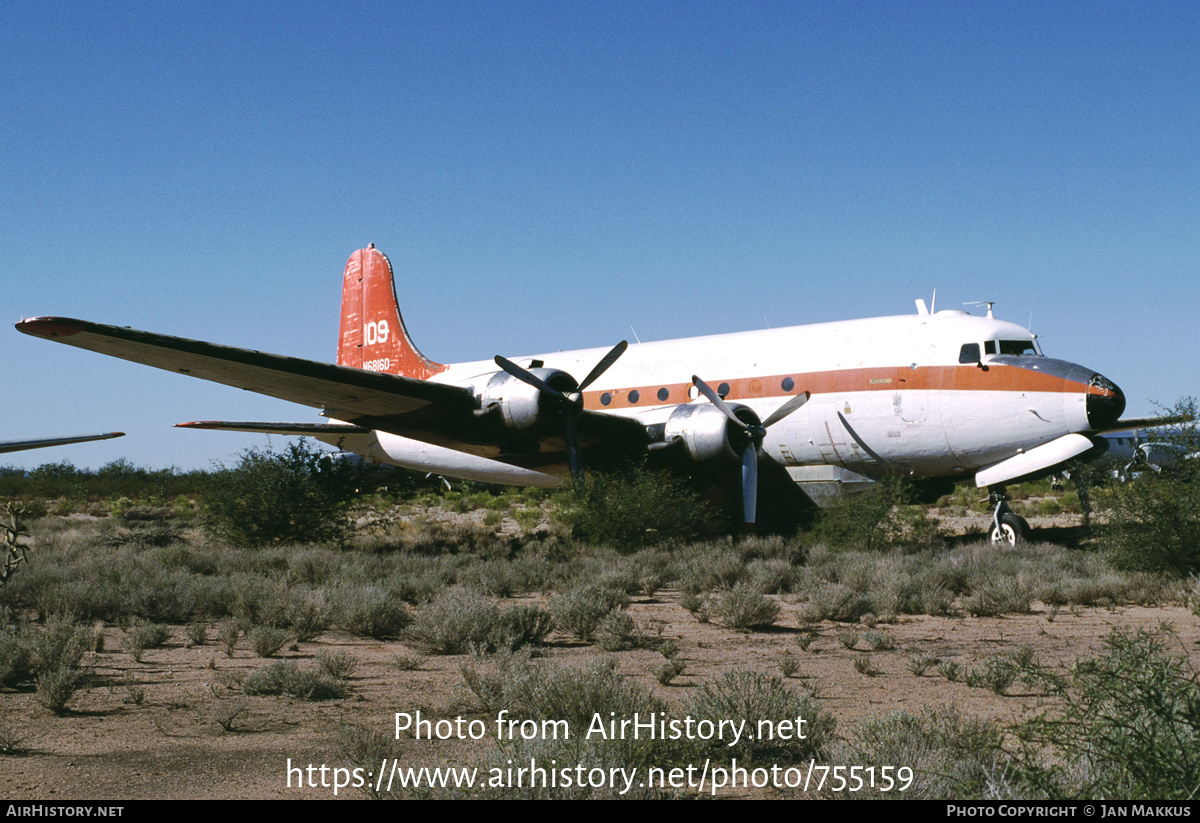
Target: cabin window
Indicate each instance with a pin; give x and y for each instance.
(633, 396)
(605, 399)
(723, 390)
(969, 353)
(663, 394)
(788, 384)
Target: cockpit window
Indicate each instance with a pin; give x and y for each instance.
(1019, 347)
(969, 353)
(989, 346)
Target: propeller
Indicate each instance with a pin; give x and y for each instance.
(755, 432)
(570, 403)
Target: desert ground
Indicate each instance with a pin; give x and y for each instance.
(176, 725)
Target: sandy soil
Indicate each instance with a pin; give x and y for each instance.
(174, 744)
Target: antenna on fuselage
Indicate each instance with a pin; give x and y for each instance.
(988, 303)
(635, 337)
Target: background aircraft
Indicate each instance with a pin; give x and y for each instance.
(21, 445)
(936, 397)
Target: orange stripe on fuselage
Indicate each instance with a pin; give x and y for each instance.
(842, 381)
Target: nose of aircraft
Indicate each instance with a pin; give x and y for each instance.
(1105, 403)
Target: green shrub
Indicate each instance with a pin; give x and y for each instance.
(309, 614)
(458, 621)
(278, 497)
(744, 607)
(521, 626)
(282, 677)
(749, 697)
(950, 755)
(141, 636)
(539, 690)
(631, 509)
(267, 640)
(1127, 725)
(581, 610)
(371, 611)
(16, 657)
(1154, 518)
(56, 687)
(870, 519)
(340, 665)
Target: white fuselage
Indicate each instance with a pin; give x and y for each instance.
(887, 394)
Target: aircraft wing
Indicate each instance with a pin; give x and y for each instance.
(321, 385)
(436, 413)
(21, 445)
(1145, 423)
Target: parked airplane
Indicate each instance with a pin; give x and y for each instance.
(20, 445)
(938, 397)
(1151, 449)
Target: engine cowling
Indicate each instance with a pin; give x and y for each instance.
(706, 433)
(520, 406)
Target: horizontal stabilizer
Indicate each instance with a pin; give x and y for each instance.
(21, 445)
(298, 429)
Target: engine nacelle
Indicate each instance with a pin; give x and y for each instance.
(521, 406)
(706, 433)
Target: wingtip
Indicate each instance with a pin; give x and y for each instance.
(50, 327)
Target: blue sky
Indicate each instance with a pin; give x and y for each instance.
(547, 175)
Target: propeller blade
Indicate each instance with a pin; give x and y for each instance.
(530, 378)
(572, 404)
(750, 482)
(604, 363)
(574, 450)
(786, 409)
(716, 400)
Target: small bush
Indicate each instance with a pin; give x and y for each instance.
(544, 691)
(788, 664)
(278, 497)
(340, 665)
(197, 633)
(56, 687)
(521, 626)
(1127, 725)
(950, 755)
(751, 697)
(309, 614)
(370, 611)
(282, 677)
(580, 611)
(617, 632)
(142, 636)
(267, 640)
(744, 607)
(631, 509)
(456, 622)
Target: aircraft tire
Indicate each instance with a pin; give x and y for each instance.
(1012, 532)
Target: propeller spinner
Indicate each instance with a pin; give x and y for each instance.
(570, 403)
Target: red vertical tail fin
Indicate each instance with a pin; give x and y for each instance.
(372, 335)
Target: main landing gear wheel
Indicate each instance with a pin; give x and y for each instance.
(1012, 531)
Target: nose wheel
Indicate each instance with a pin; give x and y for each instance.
(1008, 528)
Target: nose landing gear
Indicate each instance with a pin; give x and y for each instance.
(1008, 527)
